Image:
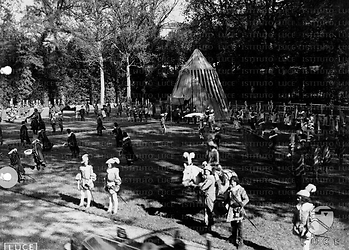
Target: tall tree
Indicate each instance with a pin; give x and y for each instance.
(136, 24)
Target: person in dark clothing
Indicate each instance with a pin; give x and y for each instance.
(42, 124)
(38, 155)
(217, 136)
(99, 124)
(72, 144)
(15, 162)
(47, 145)
(35, 118)
(127, 149)
(1, 139)
(82, 113)
(60, 121)
(23, 134)
(118, 134)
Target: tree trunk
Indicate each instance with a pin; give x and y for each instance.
(128, 78)
(100, 61)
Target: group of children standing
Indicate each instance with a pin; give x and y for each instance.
(86, 178)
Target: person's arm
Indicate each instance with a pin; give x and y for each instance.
(206, 184)
(244, 198)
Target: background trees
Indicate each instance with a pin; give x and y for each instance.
(98, 51)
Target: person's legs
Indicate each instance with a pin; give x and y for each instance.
(89, 198)
(82, 198)
(233, 236)
(110, 208)
(239, 239)
(115, 203)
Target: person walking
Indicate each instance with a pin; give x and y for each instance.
(127, 149)
(15, 162)
(85, 180)
(1, 138)
(60, 121)
(38, 155)
(53, 122)
(236, 199)
(72, 144)
(118, 134)
(99, 125)
(112, 184)
(35, 119)
(23, 134)
(304, 216)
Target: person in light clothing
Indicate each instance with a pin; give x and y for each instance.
(112, 184)
(85, 180)
(303, 217)
(236, 199)
(208, 188)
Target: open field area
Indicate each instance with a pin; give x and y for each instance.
(44, 209)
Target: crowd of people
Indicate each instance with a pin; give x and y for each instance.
(213, 177)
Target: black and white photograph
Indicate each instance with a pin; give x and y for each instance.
(174, 124)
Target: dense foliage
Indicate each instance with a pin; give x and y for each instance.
(285, 50)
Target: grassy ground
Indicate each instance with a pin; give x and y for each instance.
(155, 198)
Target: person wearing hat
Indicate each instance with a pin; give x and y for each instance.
(85, 180)
(236, 199)
(72, 144)
(15, 162)
(208, 188)
(118, 134)
(23, 134)
(37, 154)
(127, 149)
(303, 216)
(112, 184)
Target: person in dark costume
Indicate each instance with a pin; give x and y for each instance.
(1, 139)
(99, 125)
(15, 162)
(42, 124)
(127, 149)
(82, 112)
(72, 144)
(47, 145)
(38, 155)
(35, 118)
(60, 121)
(118, 134)
(23, 134)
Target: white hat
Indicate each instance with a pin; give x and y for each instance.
(310, 188)
(208, 167)
(113, 161)
(84, 158)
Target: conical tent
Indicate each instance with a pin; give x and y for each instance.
(198, 83)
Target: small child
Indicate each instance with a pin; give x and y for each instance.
(236, 199)
(85, 180)
(112, 184)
